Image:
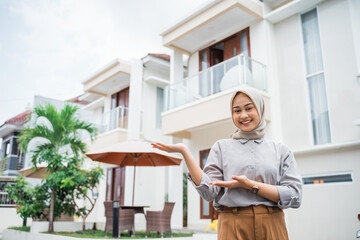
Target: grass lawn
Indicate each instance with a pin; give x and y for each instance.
(98, 234)
(23, 229)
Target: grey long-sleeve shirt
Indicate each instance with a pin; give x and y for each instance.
(260, 160)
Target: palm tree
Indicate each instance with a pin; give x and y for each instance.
(57, 133)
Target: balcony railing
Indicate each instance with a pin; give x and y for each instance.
(116, 118)
(233, 72)
(5, 201)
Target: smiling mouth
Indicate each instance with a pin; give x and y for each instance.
(246, 122)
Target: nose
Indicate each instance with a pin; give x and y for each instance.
(243, 115)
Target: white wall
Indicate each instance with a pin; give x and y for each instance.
(340, 70)
(9, 218)
(203, 139)
(293, 89)
(328, 211)
(340, 76)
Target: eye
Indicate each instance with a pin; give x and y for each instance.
(237, 111)
(249, 108)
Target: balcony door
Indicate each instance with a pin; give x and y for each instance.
(115, 184)
(119, 109)
(209, 81)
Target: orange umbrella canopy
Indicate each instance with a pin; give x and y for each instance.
(134, 153)
(32, 172)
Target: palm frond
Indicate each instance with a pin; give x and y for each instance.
(30, 133)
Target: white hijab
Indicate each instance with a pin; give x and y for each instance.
(257, 99)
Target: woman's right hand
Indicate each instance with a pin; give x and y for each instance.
(170, 148)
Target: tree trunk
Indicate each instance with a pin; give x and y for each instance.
(51, 214)
(24, 221)
(84, 218)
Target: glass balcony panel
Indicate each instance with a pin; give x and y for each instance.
(116, 118)
(228, 74)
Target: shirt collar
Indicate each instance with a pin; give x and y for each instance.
(243, 140)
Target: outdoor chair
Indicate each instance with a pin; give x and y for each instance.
(126, 218)
(160, 221)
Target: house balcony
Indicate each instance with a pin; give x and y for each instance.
(110, 79)
(112, 128)
(202, 99)
(212, 22)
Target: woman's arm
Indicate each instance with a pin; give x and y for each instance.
(194, 169)
(265, 190)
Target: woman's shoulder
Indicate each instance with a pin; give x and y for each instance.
(280, 146)
(225, 142)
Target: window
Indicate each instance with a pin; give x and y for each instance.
(15, 147)
(322, 179)
(159, 105)
(7, 148)
(315, 78)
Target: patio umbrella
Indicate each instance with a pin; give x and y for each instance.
(134, 153)
(31, 172)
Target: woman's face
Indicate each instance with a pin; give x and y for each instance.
(244, 113)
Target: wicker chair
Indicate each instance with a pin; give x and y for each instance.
(160, 221)
(126, 218)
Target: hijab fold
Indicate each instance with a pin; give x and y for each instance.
(258, 101)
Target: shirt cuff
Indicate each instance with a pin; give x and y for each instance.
(287, 199)
(204, 183)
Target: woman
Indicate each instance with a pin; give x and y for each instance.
(251, 179)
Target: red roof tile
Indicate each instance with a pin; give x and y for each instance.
(163, 56)
(20, 119)
(76, 100)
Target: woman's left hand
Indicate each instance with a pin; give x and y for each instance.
(238, 182)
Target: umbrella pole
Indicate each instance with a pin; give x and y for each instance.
(134, 183)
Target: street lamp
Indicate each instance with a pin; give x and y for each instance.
(116, 206)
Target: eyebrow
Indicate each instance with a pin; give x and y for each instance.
(244, 105)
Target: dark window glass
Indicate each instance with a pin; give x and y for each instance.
(328, 179)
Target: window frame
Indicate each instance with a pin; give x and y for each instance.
(308, 76)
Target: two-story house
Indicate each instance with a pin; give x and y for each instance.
(303, 56)
(125, 101)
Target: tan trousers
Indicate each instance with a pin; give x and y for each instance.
(252, 223)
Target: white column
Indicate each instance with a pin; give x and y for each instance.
(176, 192)
(135, 99)
(273, 83)
(176, 66)
(176, 74)
(354, 6)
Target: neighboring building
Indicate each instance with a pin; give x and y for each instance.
(304, 58)
(12, 159)
(125, 102)
(10, 153)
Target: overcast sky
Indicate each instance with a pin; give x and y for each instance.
(47, 47)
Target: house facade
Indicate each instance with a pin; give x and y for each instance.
(125, 100)
(304, 58)
(11, 156)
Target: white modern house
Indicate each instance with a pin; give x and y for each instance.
(303, 56)
(125, 100)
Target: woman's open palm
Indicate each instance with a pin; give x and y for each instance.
(170, 148)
